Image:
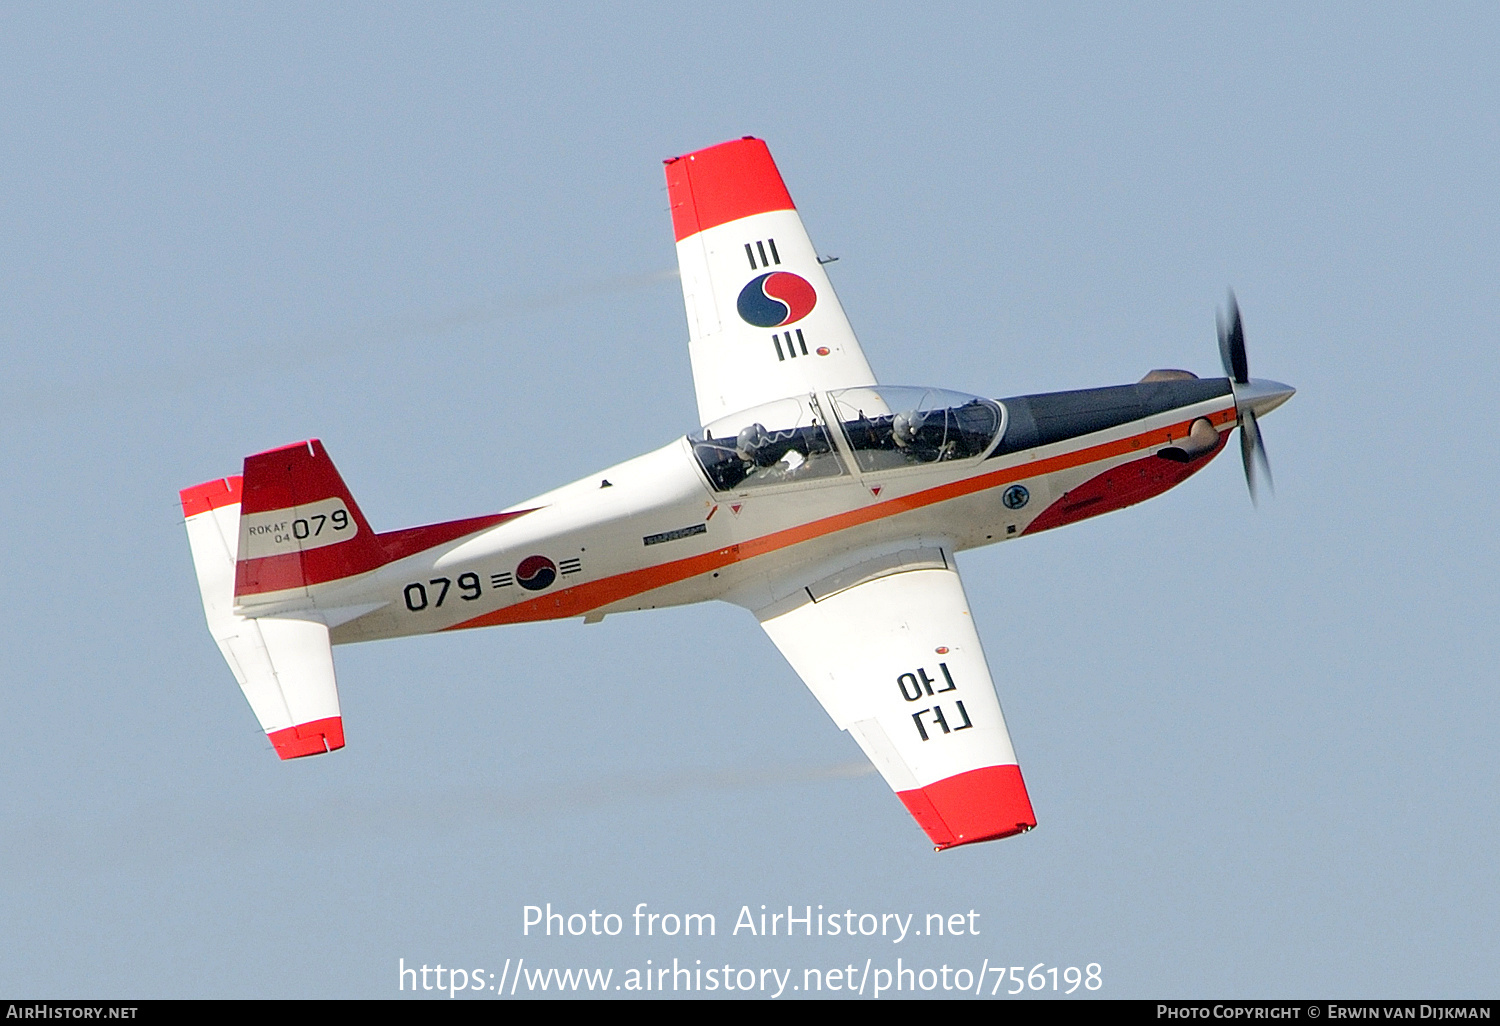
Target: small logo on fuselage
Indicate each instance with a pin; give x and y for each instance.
(536, 572)
(776, 298)
(1015, 497)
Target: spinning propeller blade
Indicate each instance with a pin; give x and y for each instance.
(1237, 369)
(1232, 345)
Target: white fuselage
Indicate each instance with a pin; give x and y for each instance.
(652, 532)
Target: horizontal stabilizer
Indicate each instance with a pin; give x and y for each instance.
(284, 667)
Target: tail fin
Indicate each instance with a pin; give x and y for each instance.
(298, 527)
(284, 667)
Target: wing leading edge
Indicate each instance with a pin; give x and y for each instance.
(897, 663)
(763, 321)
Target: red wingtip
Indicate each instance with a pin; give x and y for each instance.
(312, 738)
(980, 805)
(211, 495)
(723, 183)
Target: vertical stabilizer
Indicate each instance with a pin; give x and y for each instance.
(299, 527)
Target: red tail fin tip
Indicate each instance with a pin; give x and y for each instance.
(299, 525)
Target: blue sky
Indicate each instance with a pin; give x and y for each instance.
(1260, 742)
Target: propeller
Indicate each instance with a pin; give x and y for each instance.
(1247, 396)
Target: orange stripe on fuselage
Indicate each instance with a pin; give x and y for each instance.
(582, 598)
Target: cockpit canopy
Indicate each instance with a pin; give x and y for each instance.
(883, 427)
(776, 443)
(890, 427)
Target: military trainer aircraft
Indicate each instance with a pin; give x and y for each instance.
(828, 504)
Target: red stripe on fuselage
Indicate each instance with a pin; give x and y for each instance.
(411, 540)
(585, 597)
(1121, 486)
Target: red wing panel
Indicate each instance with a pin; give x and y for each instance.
(723, 183)
(315, 738)
(980, 805)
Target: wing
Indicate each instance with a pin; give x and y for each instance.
(763, 322)
(895, 660)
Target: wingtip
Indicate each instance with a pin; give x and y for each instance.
(722, 183)
(312, 738)
(967, 808)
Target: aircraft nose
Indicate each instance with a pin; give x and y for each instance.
(1260, 396)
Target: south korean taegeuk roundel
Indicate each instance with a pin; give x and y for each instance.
(536, 573)
(777, 298)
